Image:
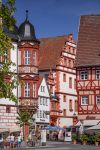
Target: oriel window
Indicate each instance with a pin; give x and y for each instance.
(27, 89)
(27, 57)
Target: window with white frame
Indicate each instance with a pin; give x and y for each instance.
(84, 100)
(34, 57)
(40, 100)
(42, 88)
(43, 101)
(41, 114)
(27, 57)
(83, 75)
(97, 74)
(27, 89)
(98, 100)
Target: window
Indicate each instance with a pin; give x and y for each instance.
(5, 56)
(98, 100)
(34, 58)
(27, 89)
(97, 74)
(34, 89)
(8, 109)
(70, 105)
(53, 106)
(42, 88)
(43, 101)
(69, 49)
(41, 114)
(69, 63)
(65, 61)
(44, 115)
(64, 112)
(84, 100)
(70, 82)
(76, 106)
(83, 75)
(74, 83)
(27, 57)
(64, 77)
(40, 100)
(64, 98)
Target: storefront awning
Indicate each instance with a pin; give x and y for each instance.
(13, 130)
(2, 130)
(10, 130)
(88, 123)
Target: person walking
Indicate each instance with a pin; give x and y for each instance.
(19, 141)
(12, 139)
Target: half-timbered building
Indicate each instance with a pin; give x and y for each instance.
(88, 68)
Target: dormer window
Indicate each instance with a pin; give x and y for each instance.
(27, 57)
(97, 74)
(83, 75)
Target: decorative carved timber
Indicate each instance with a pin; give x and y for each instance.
(28, 69)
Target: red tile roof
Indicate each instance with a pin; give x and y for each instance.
(50, 51)
(88, 47)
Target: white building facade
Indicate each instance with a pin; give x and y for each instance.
(42, 117)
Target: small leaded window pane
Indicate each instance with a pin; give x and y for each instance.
(27, 57)
(98, 100)
(84, 100)
(97, 74)
(83, 75)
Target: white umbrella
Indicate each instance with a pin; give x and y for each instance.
(93, 129)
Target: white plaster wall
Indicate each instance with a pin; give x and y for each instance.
(42, 107)
(14, 58)
(66, 122)
(64, 86)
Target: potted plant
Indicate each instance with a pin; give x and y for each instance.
(96, 139)
(74, 138)
(84, 138)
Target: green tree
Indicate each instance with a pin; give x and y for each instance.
(8, 80)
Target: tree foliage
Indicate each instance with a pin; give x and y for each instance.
(8, 80)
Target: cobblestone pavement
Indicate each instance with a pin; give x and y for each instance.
(59, 146)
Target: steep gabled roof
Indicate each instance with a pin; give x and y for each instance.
(88, 48)
(50, 51)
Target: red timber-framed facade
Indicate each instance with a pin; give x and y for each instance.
(28, 70)
(88, 68)
(59, 58)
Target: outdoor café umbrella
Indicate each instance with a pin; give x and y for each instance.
(53, 128)
(94, 129)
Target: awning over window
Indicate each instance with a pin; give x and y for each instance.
(11, 130)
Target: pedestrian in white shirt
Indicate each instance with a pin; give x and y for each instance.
(12, 141)
(19, 141)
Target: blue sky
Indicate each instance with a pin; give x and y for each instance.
(55, 17)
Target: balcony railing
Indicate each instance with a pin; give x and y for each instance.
(28, 102)
(28, 69)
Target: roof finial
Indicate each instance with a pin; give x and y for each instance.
(26, 14)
